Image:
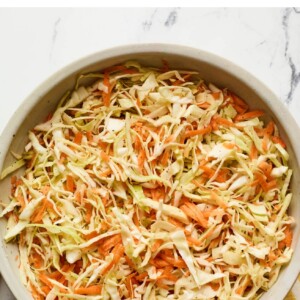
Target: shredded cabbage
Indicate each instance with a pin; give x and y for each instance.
(150, 184)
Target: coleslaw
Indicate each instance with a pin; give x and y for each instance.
(151, 184)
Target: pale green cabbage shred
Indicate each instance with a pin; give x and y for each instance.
(133, 173)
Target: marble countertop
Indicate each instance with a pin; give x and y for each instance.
(37, 42)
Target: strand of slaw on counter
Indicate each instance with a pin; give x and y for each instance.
(151, 184)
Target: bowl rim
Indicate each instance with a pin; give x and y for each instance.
(283, 115)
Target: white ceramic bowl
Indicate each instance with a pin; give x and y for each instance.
(212, 68)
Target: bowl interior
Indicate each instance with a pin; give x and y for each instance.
(212, 69)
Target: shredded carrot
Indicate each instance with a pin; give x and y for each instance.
(193, 241)
(266, 168)
(158, 193)
(21, 200)
(104, 156)
(272, 256)
(159, 263)
(216, 95)
(165, 157)
(128, 284)
(168, 275)
(218, 200)
(288, 236)
(90, 290)
(209, 172)
(36, 295)
(239, 105)
(118, 252)
(202, 131)
(45, 289)
(213, 124)
(278, 140)
(156, 245)
(179, 263)
(170, 139)
(129, 262)
(138, 102)
(265, 142)
(88, 213)
(37, 260)
(141, 159)
(78, 138)
(287, 241)
(110, 242)
(214, 286)
(70, 185)
(105, 173)
(224, 122)
(253, 152)
(249, 115)
(241, 290)
(195, 213)
(37, 217)
(223, 175)
(106, 95)
(270, 128)
(160, 284)
(262, 180)
(176, 223)
(178, 82)
(229, 145)
(141, 276)
(44, 278)
(89, 136)
(203, 105)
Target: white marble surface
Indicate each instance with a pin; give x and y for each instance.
(37, 42)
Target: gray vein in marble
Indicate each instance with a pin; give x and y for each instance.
(172, 18)
(274, 54)
(295, 74)
(148, 23)
(296, 10)
(54, 35)
(285, 19)
(261, 43)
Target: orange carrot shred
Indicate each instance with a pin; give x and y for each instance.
(203, 105)
(70, 185)
(21, 200)
(89, 136)
(216, 95)
(78, 138)
(253, 152)
(194, 212)
(224, 122)
(106, 95)
(278, 140)
(156, 245)
(105, 173)
(141, 159)
(165, 157)
(243, 287)
(202, 131)
(89, 210)
(249, 115)
(90, 290)
(36, 218)
(104, 156)
(287, 241)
